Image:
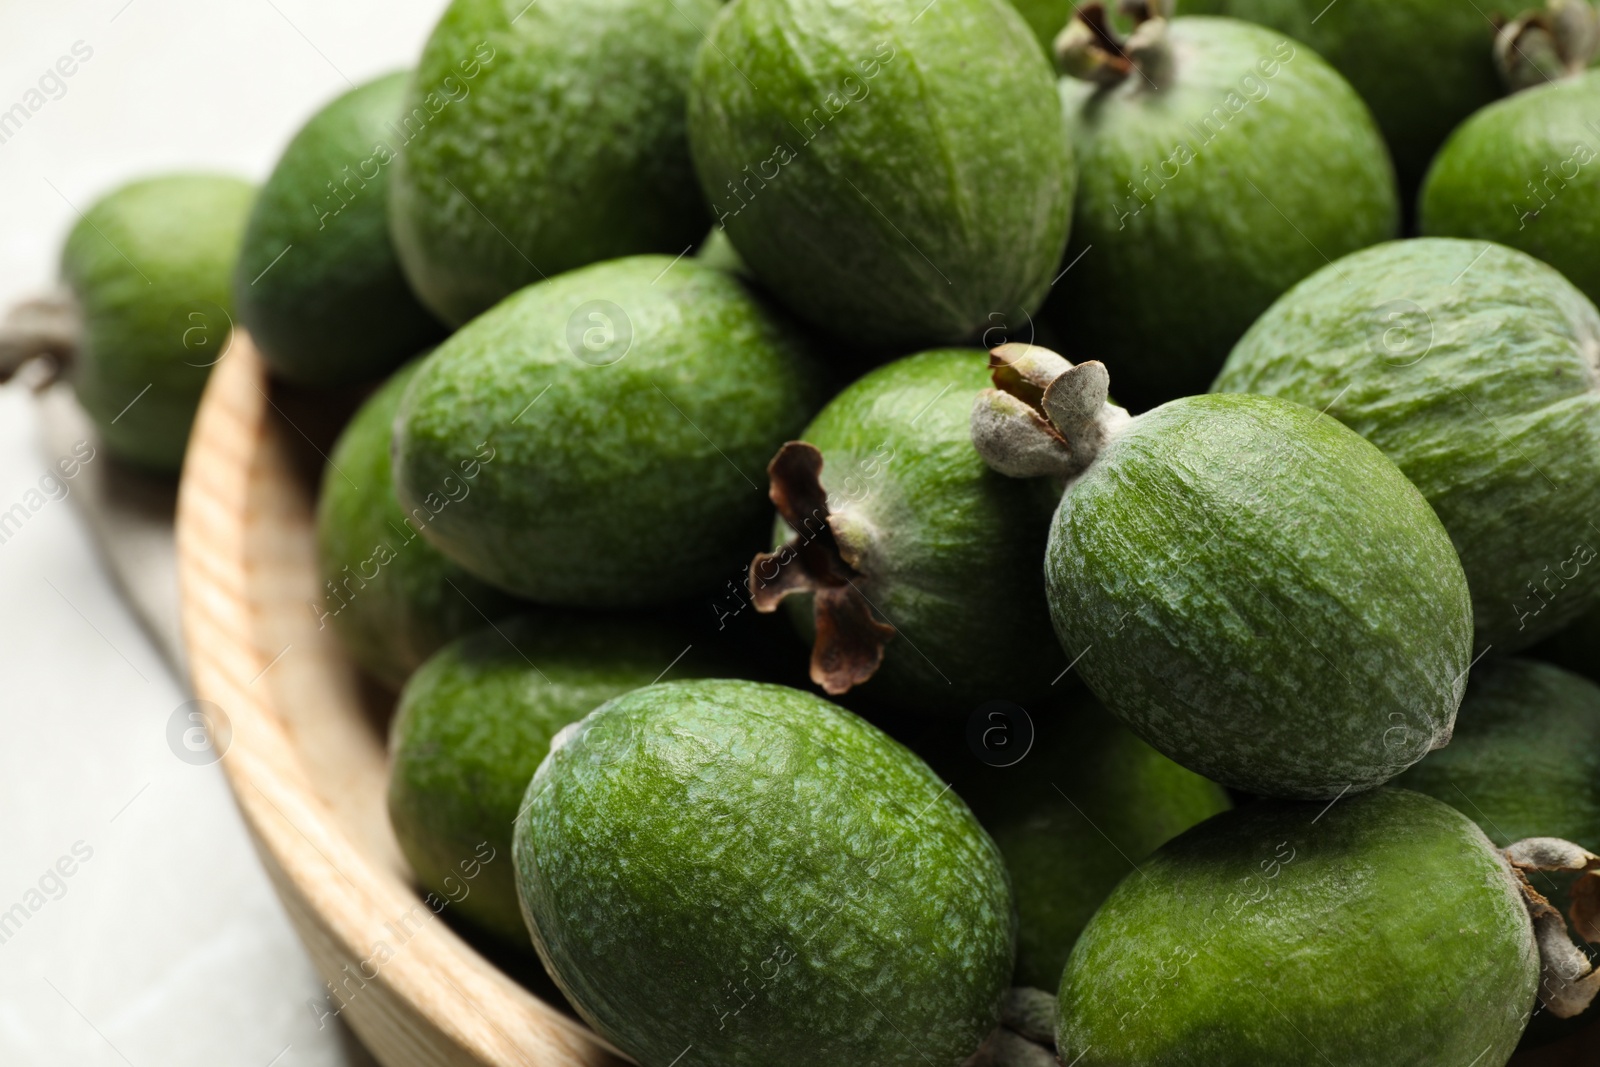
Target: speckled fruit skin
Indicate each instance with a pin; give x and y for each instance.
(1073, 817)
(952, 561)
(1199, 204)
(623, 478)
(474, 723)
(392, 598)
(756, 872)
(1474, 368)
(1262, 596)
(540, 138)
(896, 172)
(1524, 762)
(1421, 65)
(335, 308)
(149, 265)
(1479, 185)
(1387, 932)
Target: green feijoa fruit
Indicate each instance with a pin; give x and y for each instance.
(1220, 169)
(753, 872)
(895, 171)
(1082, 809)
(1526, 172)
(1421, 65)
(1473, 367)
(149, 266)
(541, 138)
(1384, 929)
(1524, 762)
(1252, 587)
(392, 598)
(617, 417)
(475, 721)
(915, 565)
(318, 284)
(1262, 596)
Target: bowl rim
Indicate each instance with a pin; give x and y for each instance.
(436, 1002)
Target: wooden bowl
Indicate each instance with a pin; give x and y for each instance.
(306, 756)
(307, 765)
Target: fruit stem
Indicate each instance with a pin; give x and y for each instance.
(1089, 48)
(1045, 417)
(1547, 44)
(822, 558)
(43, 328)
(1567, 981)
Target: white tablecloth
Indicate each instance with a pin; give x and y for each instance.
(141, 929)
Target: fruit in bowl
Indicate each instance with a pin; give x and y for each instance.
(1193, 212)
(1285, 587)
(753, 873)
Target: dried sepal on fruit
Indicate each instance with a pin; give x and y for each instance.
(1556, 41)
(1190, 135)
(816, 560)
(1568, 982)
(43, 329)
(1045, 417)
(904, 560)
(1207, 537)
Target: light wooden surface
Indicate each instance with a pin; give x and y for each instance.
(306, 757)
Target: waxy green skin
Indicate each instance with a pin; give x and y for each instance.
(1073, 817)
(623, 478)
(475, 722)
(896, 173)
(1386, 932)
(950, 548)
(1421, 65)
(1261, 596)
(149, 266)
(1479, 183)
(543, 137)
(335, 308)
(754, 871)
(1256, 161)
(1474, 368)
(391, 596)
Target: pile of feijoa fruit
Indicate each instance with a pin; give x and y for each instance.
(1172, 436)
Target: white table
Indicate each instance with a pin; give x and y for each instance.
(165, 945)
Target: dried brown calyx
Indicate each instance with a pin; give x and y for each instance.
(822, 558)
(1544, 45)
(1567, 981)
(43, 330)
(1045, 417)
(1090, 49)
